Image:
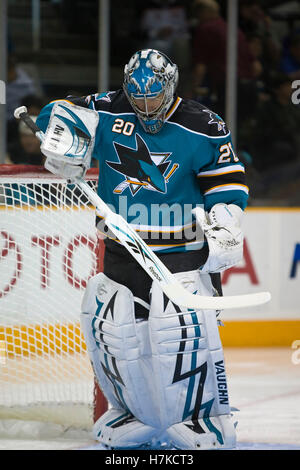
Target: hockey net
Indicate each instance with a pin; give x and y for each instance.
(48, 250)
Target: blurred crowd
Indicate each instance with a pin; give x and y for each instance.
(194, 35)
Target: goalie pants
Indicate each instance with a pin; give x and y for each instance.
(120, 266)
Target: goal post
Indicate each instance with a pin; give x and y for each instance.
(49, 248)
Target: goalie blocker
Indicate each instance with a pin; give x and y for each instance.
(69, 140)
(174, 358)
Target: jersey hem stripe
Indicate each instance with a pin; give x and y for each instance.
(227, 187)
(221, 171)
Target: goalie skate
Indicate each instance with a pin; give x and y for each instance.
(119, 429)
(216, 432)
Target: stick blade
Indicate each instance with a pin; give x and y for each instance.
(181, 297)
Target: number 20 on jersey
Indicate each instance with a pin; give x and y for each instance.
(123, 127)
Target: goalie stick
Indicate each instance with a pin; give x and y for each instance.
(147, 258)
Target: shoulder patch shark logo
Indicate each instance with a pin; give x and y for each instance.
(142, 168)
(99, 96)
(215, 119)
(104, 96)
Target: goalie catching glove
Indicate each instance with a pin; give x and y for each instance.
(69, 140)
(222, 229)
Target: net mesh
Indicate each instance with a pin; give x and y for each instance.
(48, 251)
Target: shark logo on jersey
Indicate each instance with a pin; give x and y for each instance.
(104, 96)
(99, 96)
(215, 119)
(142, 168)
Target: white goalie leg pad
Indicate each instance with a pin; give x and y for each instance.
(119, 348)
(118, 429)
(188, 356)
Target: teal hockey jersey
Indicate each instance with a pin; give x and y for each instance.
(155, 180)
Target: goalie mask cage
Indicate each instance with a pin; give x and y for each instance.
(48, 250)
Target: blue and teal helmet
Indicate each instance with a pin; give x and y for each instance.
(150, 74)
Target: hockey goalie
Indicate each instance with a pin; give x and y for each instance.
(168, 166)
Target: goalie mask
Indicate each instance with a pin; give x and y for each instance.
(150, 81)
